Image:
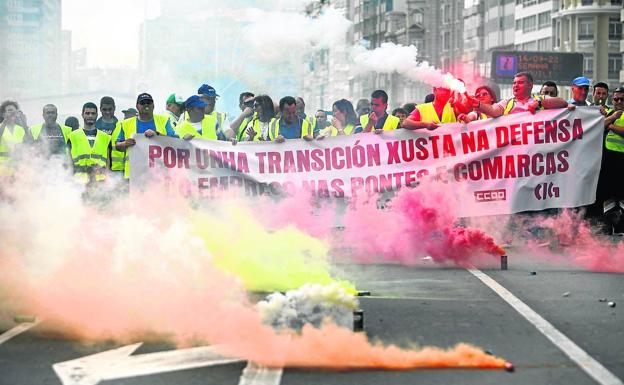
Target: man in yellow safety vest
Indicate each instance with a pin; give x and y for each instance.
(379, 120)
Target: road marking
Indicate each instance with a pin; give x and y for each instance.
(254, 374)
(592, 367)
(118, 363)
(21, 328)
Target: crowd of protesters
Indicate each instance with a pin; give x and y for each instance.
(97, 148)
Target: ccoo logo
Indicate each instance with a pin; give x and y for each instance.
(490, 195)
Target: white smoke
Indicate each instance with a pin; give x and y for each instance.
(310, 304)
(390, 58)
(280, 35)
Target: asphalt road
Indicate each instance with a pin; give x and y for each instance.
(424, 305)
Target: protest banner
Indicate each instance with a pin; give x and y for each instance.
(513, 163)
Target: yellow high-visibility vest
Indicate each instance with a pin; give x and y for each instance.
(614, 141)
(428, 113)
(8, 141)
(274, 128)
(333, 131)
(36, 131)
(86, 158)
(392, 122)
(512, 102)
(208, 129)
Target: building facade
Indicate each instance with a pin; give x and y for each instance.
(31, 47)
(593, 28)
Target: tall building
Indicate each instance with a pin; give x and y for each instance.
(593, 28)
(443, 24)
(30, 63)
(534, 25)
(398, 21)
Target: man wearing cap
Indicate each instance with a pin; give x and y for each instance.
(216, 120)
(522, 100)
(196, 126)
(130, 113)
(175, 108)
(146, 122)
(580, 90)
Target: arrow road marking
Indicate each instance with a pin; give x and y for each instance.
(19, 329)
(254, 374)
(118, 363)
(592, 367)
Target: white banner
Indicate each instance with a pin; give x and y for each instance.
(496, 166)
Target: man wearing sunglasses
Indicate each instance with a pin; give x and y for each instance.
(237, 128)
(146, 122)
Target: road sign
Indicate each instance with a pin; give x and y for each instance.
(558, 67)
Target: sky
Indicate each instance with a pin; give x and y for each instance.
(108, 29)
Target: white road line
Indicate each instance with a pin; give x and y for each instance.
(254, 374)
(4, 337)
(592, 367)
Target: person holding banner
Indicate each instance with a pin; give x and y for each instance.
(431, 115)
(264, 114)
(146, 122)
(290, 125)
(522, 100)
(196, 126)
(609, 187)
(345, 122)
(485, 95)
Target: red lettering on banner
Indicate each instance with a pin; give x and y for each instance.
(448, 146)
(577, 129)
(154, 152)
(563, 166)
(393, 152)
(337, 185)
(169, 157)
(274, 162)
(261, 158)
(421, 146)
(472, 143)
(289, 162)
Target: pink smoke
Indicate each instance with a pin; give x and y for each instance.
(419, 222)
(577, 245)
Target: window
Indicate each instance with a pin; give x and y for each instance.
(587, 2)
(544, 20)
(446, 41)
(615, 29)
(586, 28)
(544, 44)
(528, 3)
(518, 25)
(588, 63)
(616, 2)
(615, 65)
(530, 46)
(529, 24)
(447, 14)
